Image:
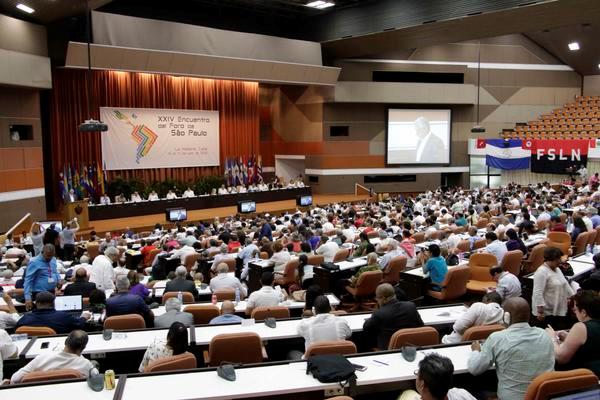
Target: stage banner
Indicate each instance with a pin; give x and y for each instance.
(558, 156)
(139, 138)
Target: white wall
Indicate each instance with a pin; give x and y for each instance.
(288, 169)
(591, 85)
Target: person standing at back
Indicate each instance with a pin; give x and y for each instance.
(102, 272)
(391, 316)
(519, 353)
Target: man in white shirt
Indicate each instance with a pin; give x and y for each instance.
(223, 255)
(182, 253)
(327, 249)
(104, 199)
(171, 195)
(248, 252)
(508, 285)
(102, 272)
(486, 312)
(8, 320)
(495, 247)
(69, 358)
(153, 196)
(84, 262)
(135, 197)
(328, 226)
(349, 232)
(267, 296)
(222, 190)
(7, 350)
(324, 325)
(188, 193)
(430, 148)
(226, 281)
(394, 251)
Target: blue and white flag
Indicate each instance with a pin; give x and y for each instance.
(505, 154)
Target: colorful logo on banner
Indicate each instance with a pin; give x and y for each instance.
(141, 134)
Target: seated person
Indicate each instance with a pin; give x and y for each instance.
(69, 358)
(7, 350)
(580, 347)
(135, 286)
(486, 312)
(181, 284)
(104, 199)
(80, 285)
(227, 315)
(225, 281)
(435, 266)
(324, 325)
(267, 296)
(171, 195)
(8, 319)
(556, 224)
(173, 314)
(135, 197)
(153, 196)
(122, 303)
(120, 198)
(176, 343)
(390, 316)
(434, 381)
(495, 247)
(372, 265)
(188, 193)
(46, 315)
(508, 285)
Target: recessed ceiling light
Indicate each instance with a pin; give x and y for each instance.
(320, 4)
(25, 8)
(598, 66)
(573, 46)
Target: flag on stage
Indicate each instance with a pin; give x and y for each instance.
(235, 171)
(259, 169)
(251, 169)
(69, 179)
(505, 154)
(62, 189)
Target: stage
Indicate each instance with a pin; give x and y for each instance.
(146, 222)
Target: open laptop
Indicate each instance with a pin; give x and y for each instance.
(68, 303)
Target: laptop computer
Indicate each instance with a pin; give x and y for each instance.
(68, 303)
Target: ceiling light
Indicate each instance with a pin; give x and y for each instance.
(320, 4)
(573, 46)
(25, 8)
(598, 66)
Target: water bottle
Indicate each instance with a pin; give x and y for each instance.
(180, 297)
(237, 295)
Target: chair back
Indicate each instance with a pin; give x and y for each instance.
(341, 255)
(580, 243)
(35, 330)
(597, 235)
(563, 246)
(481, 332)
(541, 225)
(42, 376)
(552, 383)
(225, 294)
(190, 261)
(173, 363)
(262, 313)
(423, 336)
(188, 298)
(230, 263)
(479, 244)
(591, 238)
(123, 322)
(342, 347)
(152, 256)
(93, 250)
(203, 313)
(242, 347)
(367, 283)
(391, 273)
(479, 266)
(512, 262)
(482, 223)
(315, 260)
(559, 237)
(455, 284)
(289, 273)
(536, 258)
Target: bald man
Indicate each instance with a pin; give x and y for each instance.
(391, 316)
(227, 315)
(520, 352)
(430, 148)
(80, 285)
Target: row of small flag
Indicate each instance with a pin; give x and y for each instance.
(243, 170)
(87, 180)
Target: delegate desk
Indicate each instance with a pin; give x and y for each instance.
(414, 282)
(130, 209)
(581, 271)
(384, 371)
(326, 278)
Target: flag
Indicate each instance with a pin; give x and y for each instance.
(69, 179)
(61, 185)
(505, 154)
(259, 169)
(226, 172)
(104, 179)
(244, 170)
(251, 169)
(481, 143)
(235, 170)
(558, 156)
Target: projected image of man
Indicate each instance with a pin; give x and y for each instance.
(430, 148)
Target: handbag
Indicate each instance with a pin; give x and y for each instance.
(330, 266)
(331, 368)
(566, 269)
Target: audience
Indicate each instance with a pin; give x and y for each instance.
(44, 314)
(173, 314)
(122, 303)
(225, 281)
(507, 284)
(181, 283)
(42, 275)
(324, 325)
(435, 266)
(227, 315)
(486, 312)
(102, 273)
(80, 285)
(267, 296)
(176, 343)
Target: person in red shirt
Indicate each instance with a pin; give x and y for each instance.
(146, 249)
(233, 244)
(556, 224)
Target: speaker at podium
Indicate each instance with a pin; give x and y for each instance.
(79, 209)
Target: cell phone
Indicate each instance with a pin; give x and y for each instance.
(360, 368)
(45, 345)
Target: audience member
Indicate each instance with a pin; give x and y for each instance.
(486, 312)
(176, 343)
(45, 315)
(181, 283)
(227, 315)
(267, 296)
(173, 314)
(122, 303)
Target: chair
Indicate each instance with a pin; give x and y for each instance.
(597, 235)
(173, 363)
(481, 332)
(482, 223)
(535, 259)
(230, 263)
(419, 237)
(341, 255)
(225, 294)
(203, 313)
(42, 376)
(315, 260)
(190, 260)
(342, 347)
(262, 313)
(123, 322)
(391, 273)
(93, 250)
(289, 273)
(243, 347)
(152, 256)
(552, 383)
(188, 298)
(423, 336)
(479, 244)
(562, 240)
(479, 267)
(591, 238)
(365, 288)
(36, 330)
(580, 243)
(512, 262)
(454, 286)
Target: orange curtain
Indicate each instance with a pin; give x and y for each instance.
(237, 103)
